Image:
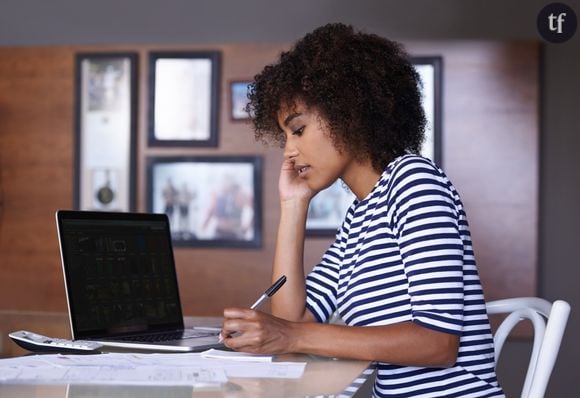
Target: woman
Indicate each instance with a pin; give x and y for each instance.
(401, 272)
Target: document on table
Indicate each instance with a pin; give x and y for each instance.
(140, 369)
(236, 356)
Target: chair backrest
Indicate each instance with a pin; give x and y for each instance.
(549, 322)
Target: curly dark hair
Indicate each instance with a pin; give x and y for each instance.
(363, 86)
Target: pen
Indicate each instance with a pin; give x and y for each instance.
(267, 294)
(270, 292)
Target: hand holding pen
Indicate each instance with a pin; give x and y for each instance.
(267, 294)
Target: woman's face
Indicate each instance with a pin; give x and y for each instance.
(310, 147)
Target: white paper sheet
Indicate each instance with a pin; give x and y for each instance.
(139, 369)
(236, 356)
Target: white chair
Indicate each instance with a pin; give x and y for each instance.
(547, 335)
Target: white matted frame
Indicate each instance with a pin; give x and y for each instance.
(184, 98)
(430, 69)
(211, 201)
(328, 208)
(105, 131)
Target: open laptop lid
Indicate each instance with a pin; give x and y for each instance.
(119, 273)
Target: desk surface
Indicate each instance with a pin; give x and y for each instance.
(322, 376)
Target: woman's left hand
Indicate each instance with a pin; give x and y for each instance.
(256, 332)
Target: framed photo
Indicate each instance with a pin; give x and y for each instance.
(211, 201)
(430, 71)
(328, 208)
(183, 98)
(239, 99)
(105, 133)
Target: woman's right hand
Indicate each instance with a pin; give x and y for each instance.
(291, 186)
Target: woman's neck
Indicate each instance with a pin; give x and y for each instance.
(361, 178)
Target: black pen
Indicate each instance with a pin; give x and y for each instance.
(267, 294)
(270, 292)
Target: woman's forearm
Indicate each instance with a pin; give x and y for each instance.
(289, 302)
(406, 343)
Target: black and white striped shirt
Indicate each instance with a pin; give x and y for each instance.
(404, 253)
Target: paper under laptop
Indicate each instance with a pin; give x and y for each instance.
(121, 282)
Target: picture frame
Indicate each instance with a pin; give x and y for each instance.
(430, 69)
(105, 131)
(211, 201)
(328, 208)
(183, 98)
(239, 99)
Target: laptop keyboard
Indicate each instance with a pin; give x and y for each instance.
(167, 336)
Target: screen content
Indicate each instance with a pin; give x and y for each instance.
(120, 274)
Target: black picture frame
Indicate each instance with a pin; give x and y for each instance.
(105, 131)
(183, 98)
(430, 69)
(211, 201)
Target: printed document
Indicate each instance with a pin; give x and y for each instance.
(144, 369)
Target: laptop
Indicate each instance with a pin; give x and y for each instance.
(121, 282)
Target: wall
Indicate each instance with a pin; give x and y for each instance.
(37, 134)
(63, 22)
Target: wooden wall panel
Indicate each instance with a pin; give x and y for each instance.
(36, 109)
(491, 153)
(490, 129)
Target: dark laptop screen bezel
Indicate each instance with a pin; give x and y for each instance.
(67, 215)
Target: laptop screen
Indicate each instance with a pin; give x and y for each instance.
(119, 273)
